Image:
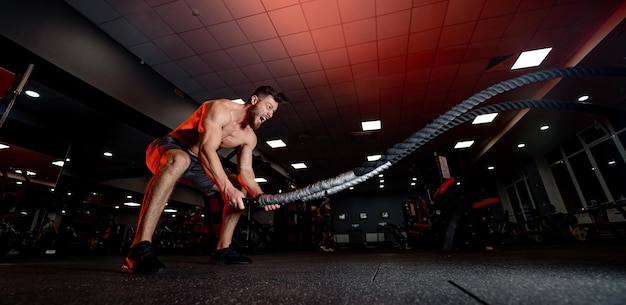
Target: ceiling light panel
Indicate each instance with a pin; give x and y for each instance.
(299, 165)
(31, 93)
(532, 58)
(464, 144)
(276, 143)
(484, 118)
(371, 125)
(373, 157)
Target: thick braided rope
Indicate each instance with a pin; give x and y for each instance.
(434, 129)
(499, 108)
(534, 104)
(431, 131)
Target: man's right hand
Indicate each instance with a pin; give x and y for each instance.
(255, 203)
(233, 198)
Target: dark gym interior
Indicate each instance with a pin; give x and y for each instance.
(532, 211)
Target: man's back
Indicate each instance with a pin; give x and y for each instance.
(223, 116)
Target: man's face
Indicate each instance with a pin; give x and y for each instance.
(262, 111)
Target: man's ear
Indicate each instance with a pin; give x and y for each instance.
(254, 99)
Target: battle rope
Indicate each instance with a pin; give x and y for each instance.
(496, 108)
(535, 104)
(438, 126)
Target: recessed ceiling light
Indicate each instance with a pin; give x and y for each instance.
(4, 146)
(544, 127)
(373, 157)
(464, 144)
(170, 210)
(260, 179)
(521, 145)
(532, 58)
(491, 167)
(381, 186)
(276, 143)
(107, 154)
(370, 125)
(31, 93)
(58, 163)
(583, 98)
(484, 118)
(131, 204)
(298, 165)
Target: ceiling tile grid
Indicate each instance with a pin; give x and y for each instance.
(171, 13)
(403, 61)
(122, 31)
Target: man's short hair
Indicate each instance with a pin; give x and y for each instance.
(279, 97)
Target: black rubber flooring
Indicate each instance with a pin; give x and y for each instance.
(534, 274)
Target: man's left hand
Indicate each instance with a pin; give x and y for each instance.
(270, 207)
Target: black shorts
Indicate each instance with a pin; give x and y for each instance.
(194, 176)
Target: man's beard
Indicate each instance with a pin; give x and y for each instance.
(252, 118)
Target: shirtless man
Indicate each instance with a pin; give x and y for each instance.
(189, 155)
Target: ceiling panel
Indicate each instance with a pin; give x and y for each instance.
(342, 61)
(172, 12)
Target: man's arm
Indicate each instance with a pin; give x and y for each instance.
(214, 117)
(246, 173)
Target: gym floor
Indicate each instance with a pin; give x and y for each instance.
(585, 273)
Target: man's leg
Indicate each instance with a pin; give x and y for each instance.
(158, 191)
(171, 165)
(225, 254)
(230, 218)
(324, 243)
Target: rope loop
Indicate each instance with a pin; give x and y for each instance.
(453, 117)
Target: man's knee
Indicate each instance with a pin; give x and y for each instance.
(174, 160)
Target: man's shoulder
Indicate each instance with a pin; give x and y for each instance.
(220, 101)
(219, 106)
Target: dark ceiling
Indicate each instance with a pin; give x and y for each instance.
(339, 62)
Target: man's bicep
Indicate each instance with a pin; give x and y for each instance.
(210, 128)
(210, 136)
